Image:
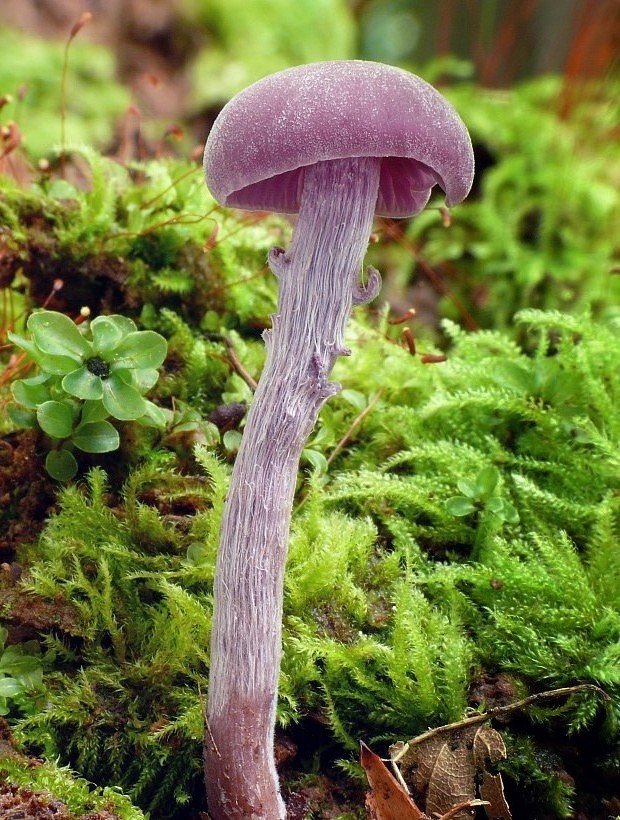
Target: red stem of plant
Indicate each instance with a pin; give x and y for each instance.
(84, 18)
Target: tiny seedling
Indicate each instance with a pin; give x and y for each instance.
(20, 670)
(482, 493)
(86, 375)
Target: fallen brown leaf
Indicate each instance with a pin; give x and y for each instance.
(489, 749)
(445, 768)
(386, 800)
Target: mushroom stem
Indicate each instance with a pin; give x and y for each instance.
(318, 286)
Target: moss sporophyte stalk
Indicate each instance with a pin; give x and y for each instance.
(86, 375)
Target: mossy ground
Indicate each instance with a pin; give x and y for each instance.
(455, 538)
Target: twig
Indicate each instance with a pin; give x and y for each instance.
(466, 804)
(183, 219)
(356, 423)
(174, 182)
(498, 712)
(233, 360)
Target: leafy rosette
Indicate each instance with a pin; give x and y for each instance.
(87, 374)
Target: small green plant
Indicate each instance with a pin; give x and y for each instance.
(482, 493)
(20, 670)
(86, 376)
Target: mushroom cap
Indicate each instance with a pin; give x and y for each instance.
(268, 133)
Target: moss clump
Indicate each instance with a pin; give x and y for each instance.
(117, 245)
(394, 604)
(31, 787)
(539, 228)
(122, 700)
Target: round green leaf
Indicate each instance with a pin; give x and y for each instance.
(106, 334)
(93, 411)
(143, 380)
(124, 324)
(57, 365)
(509, 512)
(22, 418)
(25, 344)
(468, 488)
(56, 419)
(197, 553)
(140, 350)
(61, 464)
(121, 400)
(231, 440)
(495, 505)
(96, 437)
(31, 676)
(154, 416)
(83, 384)
(61, 189)
(55, 333)
(316, 460)
(487, 480)
(9, 687)
(18, 663)
(514, 376)
(459, 506)
(31, 392)
(128, 376)
(356, 399)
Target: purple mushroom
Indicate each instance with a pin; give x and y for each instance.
(336, 142)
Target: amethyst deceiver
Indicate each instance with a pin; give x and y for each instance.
(337, 142)
(266, 137)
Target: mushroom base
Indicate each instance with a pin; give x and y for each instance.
(318, 286)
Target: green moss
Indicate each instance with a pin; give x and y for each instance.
(94, 99)
(393, 605)
(123, 706)
(536, 773)
(80, 796)
(121, 244)
(397, 600)
(253, 38)
(539, 228)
